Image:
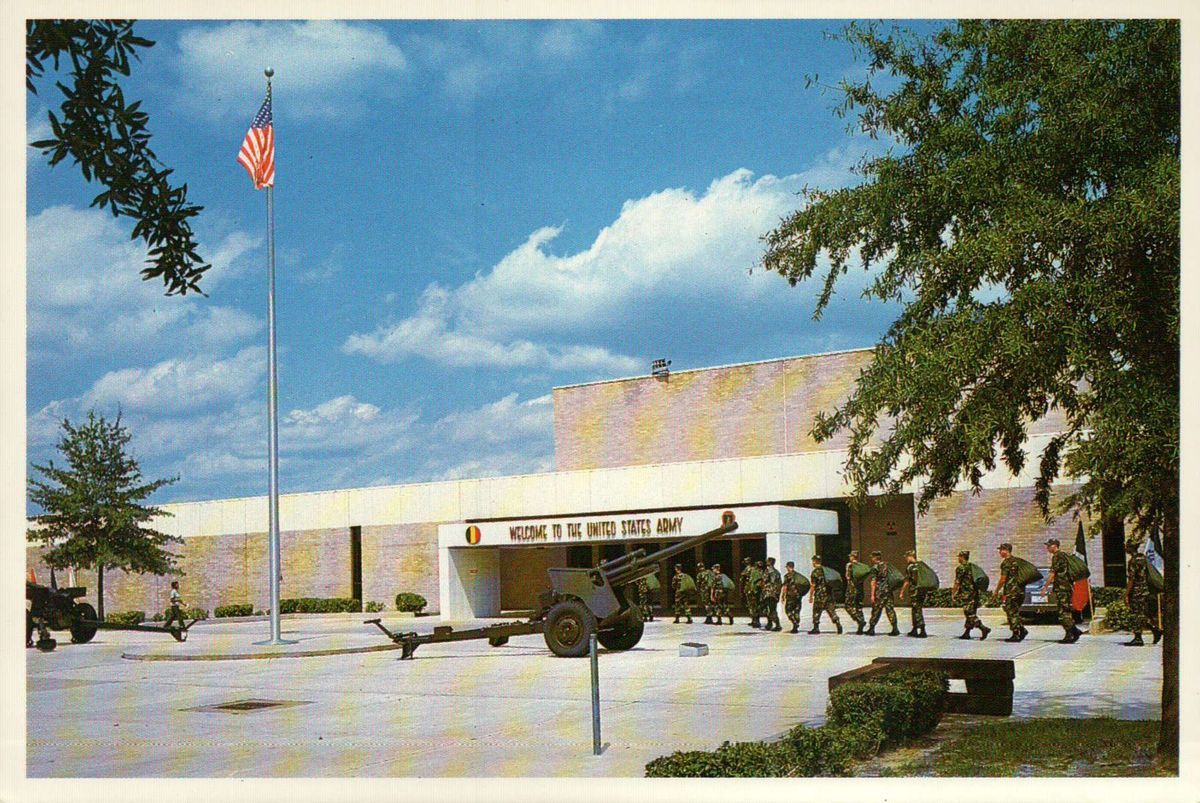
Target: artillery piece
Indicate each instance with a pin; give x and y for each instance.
(580, 602)
(54, 608)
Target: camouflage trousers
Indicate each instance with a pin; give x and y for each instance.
(683, 603)
(792, 607)
(720, 603)
(770, 607)
(643, 602)
(752, 605)
(706, 602)
(1138, 604)
(173, 614)
(1062, 599)
(1012, 609)
(854, 609)
(824, 605)
(917, 606)
(970, 607)
(882, 606)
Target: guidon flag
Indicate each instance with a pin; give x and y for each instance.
(258, 149)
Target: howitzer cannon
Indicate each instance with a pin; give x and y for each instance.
(54, 608)
(580, 602)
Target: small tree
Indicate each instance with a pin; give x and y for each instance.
(93, 514)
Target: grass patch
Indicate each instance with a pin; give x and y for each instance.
(1041, 748)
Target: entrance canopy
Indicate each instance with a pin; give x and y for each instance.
(469, 552)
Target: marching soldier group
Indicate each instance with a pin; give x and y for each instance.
(763, 587)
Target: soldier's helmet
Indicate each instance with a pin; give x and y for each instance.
(746, 561)
(875, 553)
(910, 553)
(1007, 547)
(854, 554)
(771, 561)
(678, 567)
(816, 558)
(1053, 541)
(966, 553)
(1131, 547)
(791, 564)
(716, 566)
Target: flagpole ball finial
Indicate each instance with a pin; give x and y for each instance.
(269, 72)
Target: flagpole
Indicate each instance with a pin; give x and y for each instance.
(273, 557)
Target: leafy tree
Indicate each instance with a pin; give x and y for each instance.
(108, 139)
(1027, 214)
(93, 512)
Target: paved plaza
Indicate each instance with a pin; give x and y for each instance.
(467, 709)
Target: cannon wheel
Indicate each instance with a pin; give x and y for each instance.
(81, 631)
(626, 633)
(569, 626)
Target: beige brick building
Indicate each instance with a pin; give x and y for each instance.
(710, 438)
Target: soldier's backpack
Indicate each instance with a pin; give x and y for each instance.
(652, 582)
(1154, 578)
(859, 572)
(927, 579)
(1078, 567)
(895, 578)
(802, 583)
(980, 577)
(725, 582)
(686, 583)
(1027, 573)
(835, 584)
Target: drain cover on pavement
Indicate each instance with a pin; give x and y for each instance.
(242, 706)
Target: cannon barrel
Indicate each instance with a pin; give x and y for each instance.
(637, 568)
(610, 567)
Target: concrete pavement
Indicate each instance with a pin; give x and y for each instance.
(466, 709)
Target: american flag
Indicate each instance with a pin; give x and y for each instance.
(258, 149)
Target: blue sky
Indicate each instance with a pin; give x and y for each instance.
(469, 214)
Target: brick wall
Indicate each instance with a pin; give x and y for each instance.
(733, 411)
(981, 523)
(399, 558)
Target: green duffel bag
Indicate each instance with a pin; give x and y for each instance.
(835, 584)
(802, 583)
(652, 582)
(687, 584)
(980, 577)
(895, 578)
(1078, 567)
(927, 579)
(726, 583)
(1154, 578)
(1027, 573)
(860, 571)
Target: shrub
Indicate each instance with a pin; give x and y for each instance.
(740, 760)
(320, 605)
(410, 602)
(1117, 616)
(195, 613)
(126, 617)
(224, 611)
(259, 613)
(1106, 596)
(158, 617)
(373, 607)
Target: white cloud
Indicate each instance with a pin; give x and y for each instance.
(37, 127)
(319, 65)
(178, 385)
(671, 247)
(504, 420)
(86, 295)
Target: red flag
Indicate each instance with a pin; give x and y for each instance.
(258, 149)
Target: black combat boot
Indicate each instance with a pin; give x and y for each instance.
(708, 620)
(921, 633)
(912, 632)
(795, 629)
(1015, 637)
(676, 620)
(1135, 642)
(1069, 637)
(814, 631)
(895, 631)
(984, 630)
(689, 620)
(871, 630)
(1022, 633)
(730, 618)
(838, 625)
(966, 636)
(1157, 631)
(778, 627)
(754, 622)
(861, 625)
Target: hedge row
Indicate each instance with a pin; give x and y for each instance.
(126, 617)
(410, 602)
(320, 605)
(225, 611)
(862, 718)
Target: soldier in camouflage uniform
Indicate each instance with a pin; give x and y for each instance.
(881, 595)
(643, 600)
(821, 598)
(772, 584)
(1059, 582)
(1137, 595)
(720, 594)
(853, 597)
(1011, 594)
(793, 600)
(750, 578)
(965, 593)
(704, 591)
(916, 595)
(683, 597)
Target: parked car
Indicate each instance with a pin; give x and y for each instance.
(1039, 607)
